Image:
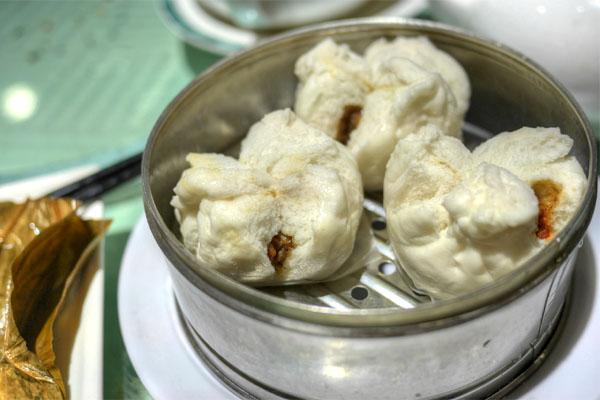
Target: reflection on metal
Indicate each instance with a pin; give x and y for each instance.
(19, 102)
(333, 371)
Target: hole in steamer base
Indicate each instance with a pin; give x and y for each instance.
(359, 293)
(386, 268)
(378, 224)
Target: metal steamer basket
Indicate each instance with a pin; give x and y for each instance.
(369, 334)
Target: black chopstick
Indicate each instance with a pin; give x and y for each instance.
(93, 186)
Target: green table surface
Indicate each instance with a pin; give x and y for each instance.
(83, 82)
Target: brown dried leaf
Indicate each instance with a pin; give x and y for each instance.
(43, 247)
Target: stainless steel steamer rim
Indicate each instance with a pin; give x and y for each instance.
(263, 306)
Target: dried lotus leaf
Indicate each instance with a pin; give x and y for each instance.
(20, 223)
(34, 282)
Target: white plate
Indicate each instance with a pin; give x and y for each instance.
(153, 335)
(79, 325)
(169, 367)
(191, 23)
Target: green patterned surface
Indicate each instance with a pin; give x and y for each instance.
(84, 82)
(95, 75)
